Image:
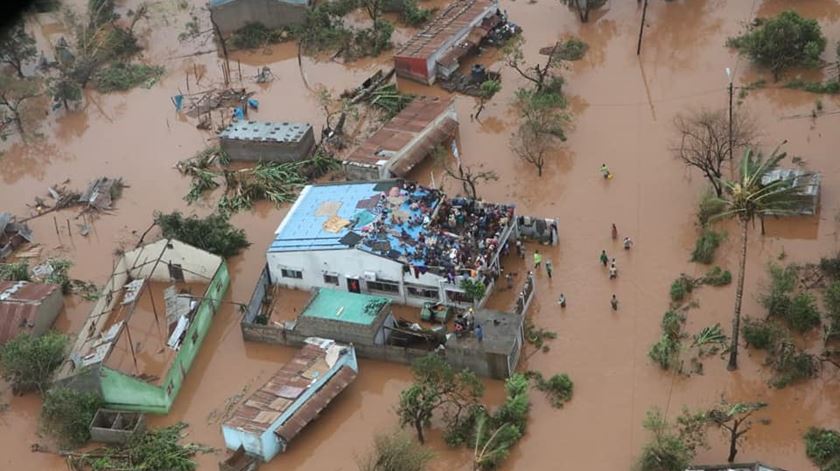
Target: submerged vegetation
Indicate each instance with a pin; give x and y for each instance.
(67, 414)
(121, 76)
(157, 449)
(557, 388)
(213, 233)
(27, 362)
(781, 42)
(271, 181)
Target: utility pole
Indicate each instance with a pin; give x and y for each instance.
(641, 29)
(731, 89)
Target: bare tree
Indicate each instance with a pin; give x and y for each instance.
(532, 145)
(570, 50)
(14, 93)
(373, 9)
(734, 419)
(17, 48)
(468, 177)
(541, 128)
(703, 141)
(583, 7)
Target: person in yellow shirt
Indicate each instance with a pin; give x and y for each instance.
(537, 259)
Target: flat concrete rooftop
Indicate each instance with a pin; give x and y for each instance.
(344, 306)
(264, 131)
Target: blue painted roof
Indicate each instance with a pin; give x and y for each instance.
(303, 228)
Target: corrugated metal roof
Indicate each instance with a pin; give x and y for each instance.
(446, 130)
(279, 393)
(451, 21)
(315, 404)
(400, 130)
(19, 302)
(262, 131)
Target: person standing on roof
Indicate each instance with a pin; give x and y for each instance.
(537, 259)
(479, 332)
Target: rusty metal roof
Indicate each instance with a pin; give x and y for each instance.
(315, 404)
(19, 302)
(451, 21)
(446, 130)
(397, 133)
(281, 391)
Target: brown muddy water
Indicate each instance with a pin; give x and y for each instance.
(623, 107)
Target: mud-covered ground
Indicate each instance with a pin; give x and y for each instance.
(623, 107)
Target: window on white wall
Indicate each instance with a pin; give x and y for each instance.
(331, 279)
(422, 292)
(383, 286)
(291, 273)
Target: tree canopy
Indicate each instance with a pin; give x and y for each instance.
(783, 41)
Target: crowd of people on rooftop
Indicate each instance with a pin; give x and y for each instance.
(431, 233)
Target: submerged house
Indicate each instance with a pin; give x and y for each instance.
(435, 51)
(145, 330)
(404, 141)
(808, 184)
(12, 234)
(369, 324)
(29, 308)
(294, 396)
(390, 238)
(230, 15)
(267, 141)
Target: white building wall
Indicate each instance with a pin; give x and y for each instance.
(349, 264)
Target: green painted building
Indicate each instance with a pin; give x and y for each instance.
(139, 341)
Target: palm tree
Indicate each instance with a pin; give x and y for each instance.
(748, 198)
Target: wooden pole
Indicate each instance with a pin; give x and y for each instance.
(641, 28)
(55, 223)
(187, 77)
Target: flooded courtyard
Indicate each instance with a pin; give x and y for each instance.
(623, 106)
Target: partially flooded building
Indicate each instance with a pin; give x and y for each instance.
(12, 234)
(808, 185)
(266, 422)
(404, 141)
(436, 50)
(147, 326)
(231, 15)
(267, 141)
(390, 238)
(376, 333)
(29, 308)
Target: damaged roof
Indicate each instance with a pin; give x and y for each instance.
(397, 135)
(281, 393)
(440, 31)
(19, 302)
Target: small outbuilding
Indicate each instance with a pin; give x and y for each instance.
(808, 184)
(28, 308)
(12, 234)
(436, 50)
(404, 141)
(292, 398)
(353, 318)
(267, 141)
(230, 15)
(497, 353)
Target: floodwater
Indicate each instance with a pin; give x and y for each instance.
(623, 107)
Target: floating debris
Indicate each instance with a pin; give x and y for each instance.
(12, 234)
